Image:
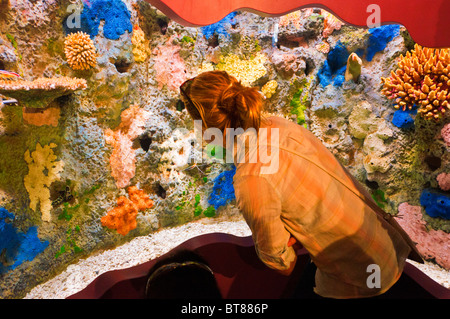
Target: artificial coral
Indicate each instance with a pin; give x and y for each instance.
(17, 246)
(123, 217)
(435, 203)
(245, 71)
(169, 66)
(39, 117)
(114, 14)
(123, 158)
(445, 133)
(422, 80)
(43, 170)
(430, 243)
(80, 51)
(141, 49)
(443, 180)
(330, 23)
(39, 93)
(269, 88)
(353, 70)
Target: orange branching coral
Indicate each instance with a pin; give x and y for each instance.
(123, 217)
(422, 79)
(139, 198)
(80, 51)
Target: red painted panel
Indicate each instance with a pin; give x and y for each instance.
(427, 21)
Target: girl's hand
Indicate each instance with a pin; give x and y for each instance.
(291, 241)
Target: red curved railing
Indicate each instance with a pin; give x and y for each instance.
(427, 21)
(239, 273)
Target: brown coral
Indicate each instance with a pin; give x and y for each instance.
(80, 51)
(123, 217)
(422, 79)
(39, 93)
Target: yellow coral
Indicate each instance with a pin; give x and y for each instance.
(80, 51)
(205, 67)
(246, 71)
(141, 50)
(422, 79)
(43, 170)
(269, 88)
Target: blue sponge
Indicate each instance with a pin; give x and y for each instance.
(436, 203)
(115, 14)
(219, 27)
(379, 38)
(404, 119)
(223, 189)
(334, 67)
(18, 246)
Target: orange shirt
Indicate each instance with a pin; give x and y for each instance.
(313, 198)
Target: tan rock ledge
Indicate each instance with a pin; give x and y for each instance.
(41, 92)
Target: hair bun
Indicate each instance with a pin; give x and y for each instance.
(228, 99)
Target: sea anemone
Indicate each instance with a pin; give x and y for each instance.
(80, 51)
(422, 80)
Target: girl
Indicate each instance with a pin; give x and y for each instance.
(310, 199)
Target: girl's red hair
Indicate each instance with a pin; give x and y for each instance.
(223, 102)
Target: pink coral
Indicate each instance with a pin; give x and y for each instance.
(331, 23)
(444, 181)
(123, 158)
(170, 67)
(430, 243)
(445, 133)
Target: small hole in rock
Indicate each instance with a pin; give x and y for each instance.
(122, 66)
(309, 66)
(433, 162)
(145, 141)
(372, 184)
(180, 106)
(163, 24)
(159, 190)
(214, 41)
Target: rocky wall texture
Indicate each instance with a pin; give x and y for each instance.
(103, 163)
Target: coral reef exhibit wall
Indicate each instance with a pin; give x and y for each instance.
(96, 147)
